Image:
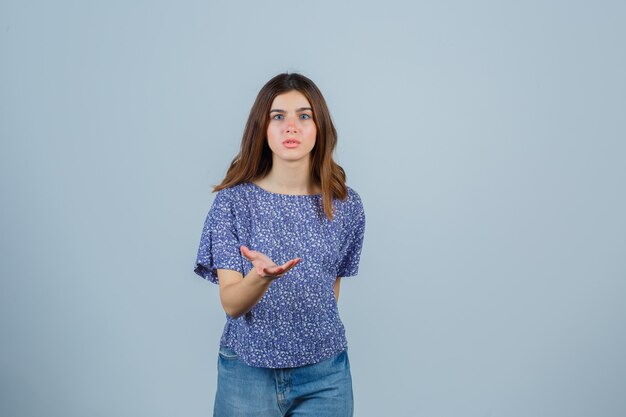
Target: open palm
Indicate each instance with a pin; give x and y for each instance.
(264, 266)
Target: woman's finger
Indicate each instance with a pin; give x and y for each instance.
(274, 270)
(290, 264)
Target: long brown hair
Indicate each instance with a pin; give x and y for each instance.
(254, 160)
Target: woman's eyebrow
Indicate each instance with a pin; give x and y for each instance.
(297, 110)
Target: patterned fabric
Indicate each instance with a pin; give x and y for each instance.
(297, 321)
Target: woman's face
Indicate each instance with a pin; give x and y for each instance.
(291, 130)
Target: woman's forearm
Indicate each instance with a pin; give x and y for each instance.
(240, 296)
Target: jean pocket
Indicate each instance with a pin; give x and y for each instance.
(227, 353)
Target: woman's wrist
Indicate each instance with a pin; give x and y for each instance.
(256, 279)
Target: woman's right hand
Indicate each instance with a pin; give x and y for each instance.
(264, 266)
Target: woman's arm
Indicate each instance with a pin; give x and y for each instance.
(239, 295)
(336, 289)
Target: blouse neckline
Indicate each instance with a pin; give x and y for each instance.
(283, 195)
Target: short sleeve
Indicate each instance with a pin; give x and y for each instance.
(351, 249)
(219, 242)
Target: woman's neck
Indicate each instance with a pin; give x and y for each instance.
(289, 178)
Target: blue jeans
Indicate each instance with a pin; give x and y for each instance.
(321, 389)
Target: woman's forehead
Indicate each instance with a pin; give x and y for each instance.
(290, 100)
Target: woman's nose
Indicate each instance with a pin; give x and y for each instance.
(291, 127)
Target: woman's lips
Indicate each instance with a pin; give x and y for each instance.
(291, 143)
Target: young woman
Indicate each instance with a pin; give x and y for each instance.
(282, 231)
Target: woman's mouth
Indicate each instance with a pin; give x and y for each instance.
(291, 143)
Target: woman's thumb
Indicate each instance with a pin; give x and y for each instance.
(246, 252)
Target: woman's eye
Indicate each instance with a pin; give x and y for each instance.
(278, 117)
(305, 116)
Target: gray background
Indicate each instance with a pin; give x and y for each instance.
(487, 142)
